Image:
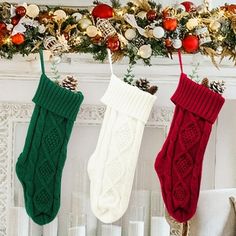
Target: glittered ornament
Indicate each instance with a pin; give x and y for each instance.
(3, 26)
(130, 34)
(145, 51)
(59, 15)
(102, 11)
(158, 32)
(98, 39)
(215, 25)
(189, 6)
(170, 24)
(142, 14)
(192, 23)
(190, 43)
(113, 43)
(203, 35)
(92, 31)
(84, 23)
(18, 39)
(151, 15)
(20, 11)
(168, 42)
(177, 43)
(15, 20)
(52, 44)
(32, 11)
(106, 28)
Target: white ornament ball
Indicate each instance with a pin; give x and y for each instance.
(77, 16)
(41, 29)
(32, 11)
(142, 14)
(158, 32)
(215, 26)
(59, 15)
(130, 34)
(92, 31)
(219, 50)
(177, 43)
(192, 23)
(179, 7)
(145, 51)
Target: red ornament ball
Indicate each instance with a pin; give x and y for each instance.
(18, 39)
(189, 6)
(15, 20)
(20, 11)
(102, 11)
(113, 43)
(3, 26)
(151, 15)
(170, 24)
(190, 43)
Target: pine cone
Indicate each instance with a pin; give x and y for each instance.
(205, 82)
(217, 86)
(70, 83)
(152, 90)
(142, 84)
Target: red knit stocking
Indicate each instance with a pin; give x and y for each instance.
(179, 163)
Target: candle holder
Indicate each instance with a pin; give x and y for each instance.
(51, 229)
(77, 225)
(136, 221)
(159, 225)
(114, 229)
(18, 220)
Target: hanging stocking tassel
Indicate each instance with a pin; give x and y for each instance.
(39, 167)
(179, 163)
(112, 166)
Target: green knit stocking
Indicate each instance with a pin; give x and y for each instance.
(39, 167)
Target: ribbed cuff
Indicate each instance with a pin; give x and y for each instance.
(128, 99)
(198, 99)
(57, 99)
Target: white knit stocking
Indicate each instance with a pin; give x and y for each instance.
(111, 168)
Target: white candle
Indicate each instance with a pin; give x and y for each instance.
(18, 222)
(159, 226)
(77, 231)
(136, 228)
(111, 230)
(51, 228)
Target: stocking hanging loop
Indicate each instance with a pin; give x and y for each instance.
(110, 60)
(42, 60)
(180, 61)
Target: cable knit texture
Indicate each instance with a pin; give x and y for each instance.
(179, 163)
(39, 167)
(112, 166)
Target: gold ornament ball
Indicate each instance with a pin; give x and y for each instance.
(32, 11)
(145, 51)
(84, 23)
(192, 23)
(59, 15)
(215, 25)
(130, 34)
(142, 14)
(92, 31)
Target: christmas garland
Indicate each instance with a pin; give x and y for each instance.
(140, 29)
